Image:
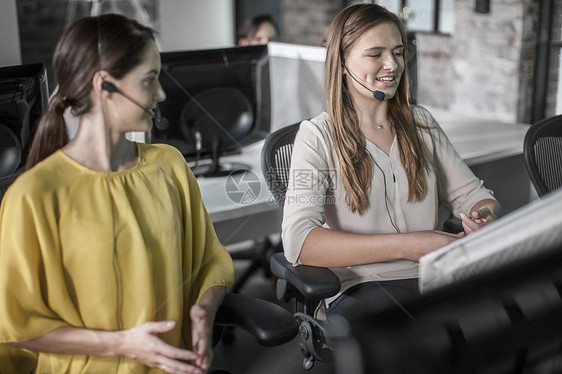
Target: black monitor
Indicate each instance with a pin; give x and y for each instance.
(218, 100)
(24, 96)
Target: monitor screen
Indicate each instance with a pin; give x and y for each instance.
(217, 100)
(533, 229)
(297, 80)
(24, 96)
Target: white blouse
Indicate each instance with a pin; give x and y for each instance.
(316, 196)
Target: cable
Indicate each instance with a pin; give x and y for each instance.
(357, 128)
(385, 193)
(110, 193)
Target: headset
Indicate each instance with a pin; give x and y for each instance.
(160, 122)
(378, 95)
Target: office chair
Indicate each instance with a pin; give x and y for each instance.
(269, 323)
(10, 158)
(6, 181)
(543, 154)
(10, 151)
(307, 285)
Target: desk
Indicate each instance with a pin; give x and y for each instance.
(254, 217)
(479, 141)
(493, 150)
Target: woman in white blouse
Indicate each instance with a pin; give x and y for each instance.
(367, 176)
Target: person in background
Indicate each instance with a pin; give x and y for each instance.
(368, 174)
(109, 262)
(259, 29)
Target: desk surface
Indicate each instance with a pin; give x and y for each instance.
(220, 197)
(477, 141)
(481, 140)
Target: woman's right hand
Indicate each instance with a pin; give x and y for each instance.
(142, 344)
(424, 242)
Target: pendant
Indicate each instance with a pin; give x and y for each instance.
(380, 126)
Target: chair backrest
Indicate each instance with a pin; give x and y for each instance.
(10, 151)
(5, 182)
(276, 160)
(543, 154)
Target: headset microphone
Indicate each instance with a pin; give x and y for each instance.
(379, 95)
(160, 122)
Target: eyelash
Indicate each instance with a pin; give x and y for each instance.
(398, 53)
(150, 81)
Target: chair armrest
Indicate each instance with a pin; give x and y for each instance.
(313, 282)
(269, 323)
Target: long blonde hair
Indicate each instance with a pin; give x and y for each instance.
(354, 162)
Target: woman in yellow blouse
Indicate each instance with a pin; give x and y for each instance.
(108, 259)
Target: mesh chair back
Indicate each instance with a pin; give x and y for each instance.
(5, 182)
(543, 154)
(276, 160)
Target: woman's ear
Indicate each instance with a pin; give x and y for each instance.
(97, 81)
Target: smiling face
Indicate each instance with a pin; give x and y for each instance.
(141, 85)
(376, 59)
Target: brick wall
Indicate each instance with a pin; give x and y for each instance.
(307, 21)
(487, 59)
(530, 28)
(41, 24)
(555, 72)
(435, 72)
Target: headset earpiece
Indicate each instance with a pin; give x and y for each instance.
(108, 86)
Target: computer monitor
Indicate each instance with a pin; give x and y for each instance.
(24, 96)
(530, 230)
(218, 100)
(297, 81)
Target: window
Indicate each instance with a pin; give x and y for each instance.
(435, 16)
(548, 85)
(556, 50)
(558, 109)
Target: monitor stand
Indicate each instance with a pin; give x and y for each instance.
(213, 170)
(216, 169)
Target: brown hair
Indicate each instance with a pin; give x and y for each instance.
(108, 42)
(251, 25)
(355, 164)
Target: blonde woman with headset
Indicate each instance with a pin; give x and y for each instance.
(368, 174)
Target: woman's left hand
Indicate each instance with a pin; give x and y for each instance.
(476, 220)
(201, 336)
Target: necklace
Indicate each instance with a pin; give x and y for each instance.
(380, 126)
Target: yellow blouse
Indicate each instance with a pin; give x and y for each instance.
(105, 251)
